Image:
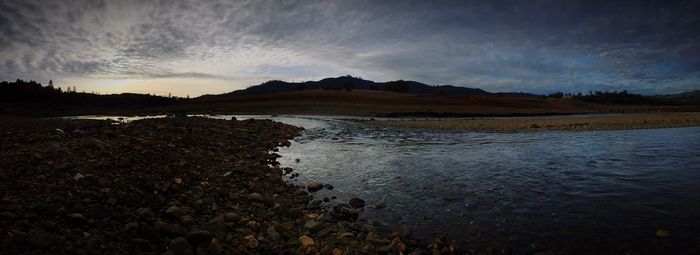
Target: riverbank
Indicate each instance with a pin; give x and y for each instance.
(169, 186)
(551, 123)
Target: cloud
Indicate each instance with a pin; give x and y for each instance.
(540, 46)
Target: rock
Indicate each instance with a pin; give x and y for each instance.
(180, 246)
(272, 232)
(76, 217)
(305, 242)
(329, 187)
(39, 239)
(314, 186)
(313, 225)
(145, 213)
(176, 211)
(169, 229)
(78, 176)
(663, 233)
(99, 211)
(380, 204)
(297, 160)
(256, 198)
(250, 241)
(253, 225)
(316, 202)
(337, 251)
(186, 220)
(295, 213)
(357, 202)
(199, 238)
(231, 217)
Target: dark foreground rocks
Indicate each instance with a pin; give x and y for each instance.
(168, 186)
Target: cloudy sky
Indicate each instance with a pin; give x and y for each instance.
(199, 47)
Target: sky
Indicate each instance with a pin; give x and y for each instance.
(208, 47)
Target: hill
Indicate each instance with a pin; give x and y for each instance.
(348, 83)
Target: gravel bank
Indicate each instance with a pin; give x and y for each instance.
(170, 186)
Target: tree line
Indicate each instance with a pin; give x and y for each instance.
(32, 92)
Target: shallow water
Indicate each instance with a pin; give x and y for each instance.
(604, 190)
(570, 192)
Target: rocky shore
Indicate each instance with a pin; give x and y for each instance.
(171, 186)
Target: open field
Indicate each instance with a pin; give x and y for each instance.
(615, 122)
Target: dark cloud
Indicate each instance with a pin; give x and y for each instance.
(537, 46)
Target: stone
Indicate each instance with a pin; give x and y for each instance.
(329, 187)
(39, 239)
(313, 225)
(316, 202)
(256, 198)
(145, 213)
(176, 211)
(337, 251)
(272, 232)
(357, 202)
(663, 233)
(180, 246)
(199, 238)
(78, 176)
(169, 229)
(99, 211)
(380, 204)
(231, 217)
(305, 242)
(314, 186)
(253, 225)
(186, 220)
(250, 241)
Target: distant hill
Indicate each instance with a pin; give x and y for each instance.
(349, 83)
(687, 98)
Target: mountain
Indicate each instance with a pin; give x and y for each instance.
(348, 82)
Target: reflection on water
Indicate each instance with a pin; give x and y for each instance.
(568, 191)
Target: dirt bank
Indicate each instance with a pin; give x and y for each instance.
(563, 123)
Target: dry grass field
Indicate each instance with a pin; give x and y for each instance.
(380, 103)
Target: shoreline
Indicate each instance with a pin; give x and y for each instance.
(170, 186)
(550, 123)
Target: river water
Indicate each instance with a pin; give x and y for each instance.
(566, 191)
(569, 192)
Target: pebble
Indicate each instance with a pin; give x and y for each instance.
(231, 217)
(250, 241)
(176, 211)
(305, 242)
(663, 233)
(314, 186)
(169, 229)
(380, 204)
(256, 198)
(357, 202)
(199, 238)
(179, 245)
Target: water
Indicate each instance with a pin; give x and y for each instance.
(571, 192)
(567, 191)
